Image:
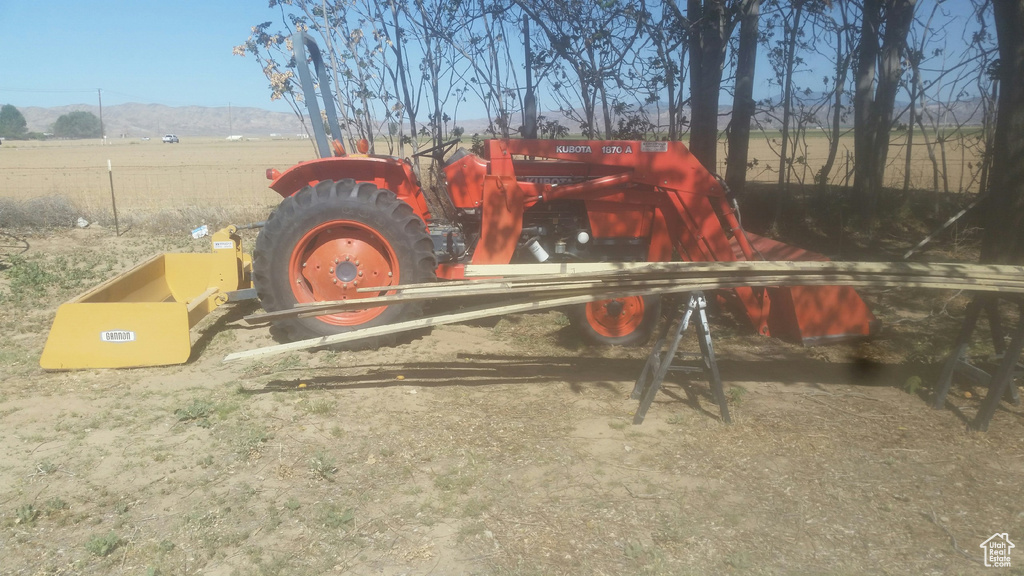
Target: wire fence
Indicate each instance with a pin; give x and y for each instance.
(207, 180)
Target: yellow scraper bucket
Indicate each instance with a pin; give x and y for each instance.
(144, 316)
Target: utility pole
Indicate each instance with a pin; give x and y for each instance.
(99, 93)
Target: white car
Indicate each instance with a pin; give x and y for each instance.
(170, 139)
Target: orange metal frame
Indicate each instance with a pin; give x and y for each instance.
(656, 190)
(653, 190)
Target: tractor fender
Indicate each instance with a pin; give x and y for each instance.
(385, 172)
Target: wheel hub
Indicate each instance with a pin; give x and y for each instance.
(616, 317)
(335, 260)
(614, 308)
(346, 271)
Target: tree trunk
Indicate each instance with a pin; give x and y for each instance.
(863, 98)
(530, 100)
(1004, 230)
(910, 136)
(408, 105)
(842, 68)
(707, 52)
(898, 19)
(787, 98)
(873, 112)
(743, 99)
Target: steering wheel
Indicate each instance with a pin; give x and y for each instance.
(441, 148)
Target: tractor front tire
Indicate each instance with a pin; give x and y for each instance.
(627, 321)
(325, 242)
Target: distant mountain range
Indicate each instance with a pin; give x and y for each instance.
(152, 120)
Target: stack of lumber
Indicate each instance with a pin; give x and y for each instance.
(517, 288)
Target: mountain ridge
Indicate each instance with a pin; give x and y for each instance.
(135, 120)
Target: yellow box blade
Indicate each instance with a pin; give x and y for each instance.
(117, 335)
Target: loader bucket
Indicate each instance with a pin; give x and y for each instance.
(144, 316)
(812, 315)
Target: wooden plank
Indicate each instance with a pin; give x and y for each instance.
(526, 273)
(761, 266)
(610, 289)
(463, 316)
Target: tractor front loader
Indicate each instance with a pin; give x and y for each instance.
(349, 222)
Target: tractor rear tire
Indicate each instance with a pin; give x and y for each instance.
(325, 242)
(627, 321)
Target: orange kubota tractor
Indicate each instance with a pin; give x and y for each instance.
(351, 221)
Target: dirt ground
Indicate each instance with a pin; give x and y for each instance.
(495, 448)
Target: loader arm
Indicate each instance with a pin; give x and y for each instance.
(689, 211)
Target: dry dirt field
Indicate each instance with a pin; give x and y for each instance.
(493, 448)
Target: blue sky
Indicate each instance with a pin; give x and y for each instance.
(173, 52)
(178, 52)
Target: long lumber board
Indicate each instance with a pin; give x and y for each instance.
(711, 275)
(463, 316)
(649, 279)
(482, 274)
(614, 289)
(757, 266)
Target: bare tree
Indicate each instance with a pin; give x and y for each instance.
(888, 22)
(593, 40)
(743, 98)
(1004, 233)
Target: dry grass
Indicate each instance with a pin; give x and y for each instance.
(499, 451)
(961, 166)
(156, 185)
(504, 451)
(173, 186)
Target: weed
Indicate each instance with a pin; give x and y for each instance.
(470, 530)
(333, 516)
(617, 425)
(251, 442)
(912, 385)
(288, 362)
(459, 481)
(35, 276)
(103, 545)
(55, 504)
(475, 507)
(292, 504)
(198, 411)
(321, 407)
(256, 369)
(322, 465)
(736, 395)
(27, 514)
(46, 467)
(166, 546)
(676, 419)
(273, 519)
(122, 507)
